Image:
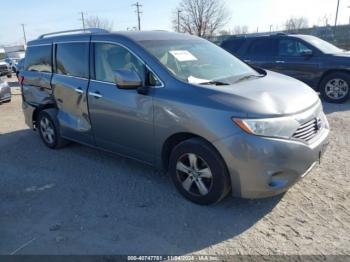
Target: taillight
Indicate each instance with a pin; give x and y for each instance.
(20, 80)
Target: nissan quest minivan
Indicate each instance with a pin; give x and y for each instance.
(176, 102)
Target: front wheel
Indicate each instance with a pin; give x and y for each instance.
(335, 88)
(198, 172)
(49, 129)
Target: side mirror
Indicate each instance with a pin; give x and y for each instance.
(307, 53)
(127, 79)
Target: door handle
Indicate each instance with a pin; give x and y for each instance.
(96, 94)
(280, 62)
(79, 90)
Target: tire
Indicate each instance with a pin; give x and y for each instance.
(9, 76)
(49, 131)
(204, 158)
(335, 87)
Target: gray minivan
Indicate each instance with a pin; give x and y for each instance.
(177, 102)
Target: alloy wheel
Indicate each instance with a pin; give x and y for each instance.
(194, 174)
(47, 130)
(336, 88)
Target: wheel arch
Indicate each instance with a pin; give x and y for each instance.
(171, 142)
(38, 110)
(175, 139)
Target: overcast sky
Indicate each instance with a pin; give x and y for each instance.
(40, 16)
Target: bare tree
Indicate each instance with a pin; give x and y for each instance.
(203, 18)
(293, 24)
(240, 30)
(324, 20)
(237, 30)
(245, 29)
(97, 22)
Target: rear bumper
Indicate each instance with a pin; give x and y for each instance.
(28, 112)
(262, 167)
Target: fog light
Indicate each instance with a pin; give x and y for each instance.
(278, 180)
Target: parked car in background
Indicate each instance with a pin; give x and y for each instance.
(5, 68)
(14, 54)
(312, 60)
(20, 66)
(5, 91)
(177, 102)
(13, 62)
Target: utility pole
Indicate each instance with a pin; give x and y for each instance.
(24, 34)
(336, 15)
(138, 14)
(83, 19)
(178, 20)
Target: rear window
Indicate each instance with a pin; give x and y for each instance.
(261, 47)
(72, 59)
(233, 46)
(39, 59)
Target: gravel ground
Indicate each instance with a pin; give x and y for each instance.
(78, 200)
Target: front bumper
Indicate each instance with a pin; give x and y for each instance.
(5, 94)
(262, 167)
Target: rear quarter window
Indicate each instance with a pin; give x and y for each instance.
(39, 59)
(72, 59)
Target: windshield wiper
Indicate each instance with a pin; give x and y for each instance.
(217, 83)
(246, 77)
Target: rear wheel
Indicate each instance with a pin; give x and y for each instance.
(335, 88)
(198, 172)
(49, 129)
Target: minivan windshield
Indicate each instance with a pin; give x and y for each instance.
(199, 61)
(322, 45)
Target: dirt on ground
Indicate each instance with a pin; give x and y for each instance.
(79, 200)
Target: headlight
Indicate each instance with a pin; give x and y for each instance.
(282, 127)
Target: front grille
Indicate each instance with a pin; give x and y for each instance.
(308, 130)
(3, 67)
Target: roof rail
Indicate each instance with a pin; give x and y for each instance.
(87, 30)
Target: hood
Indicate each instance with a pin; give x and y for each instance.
(345, 55)
(2, 62)
(269, 96)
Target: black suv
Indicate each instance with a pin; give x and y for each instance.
(312, 60)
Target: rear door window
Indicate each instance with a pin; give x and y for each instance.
(72, 59)
(291, 48)
(261, 47)
(39, 59)
(233, 45)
